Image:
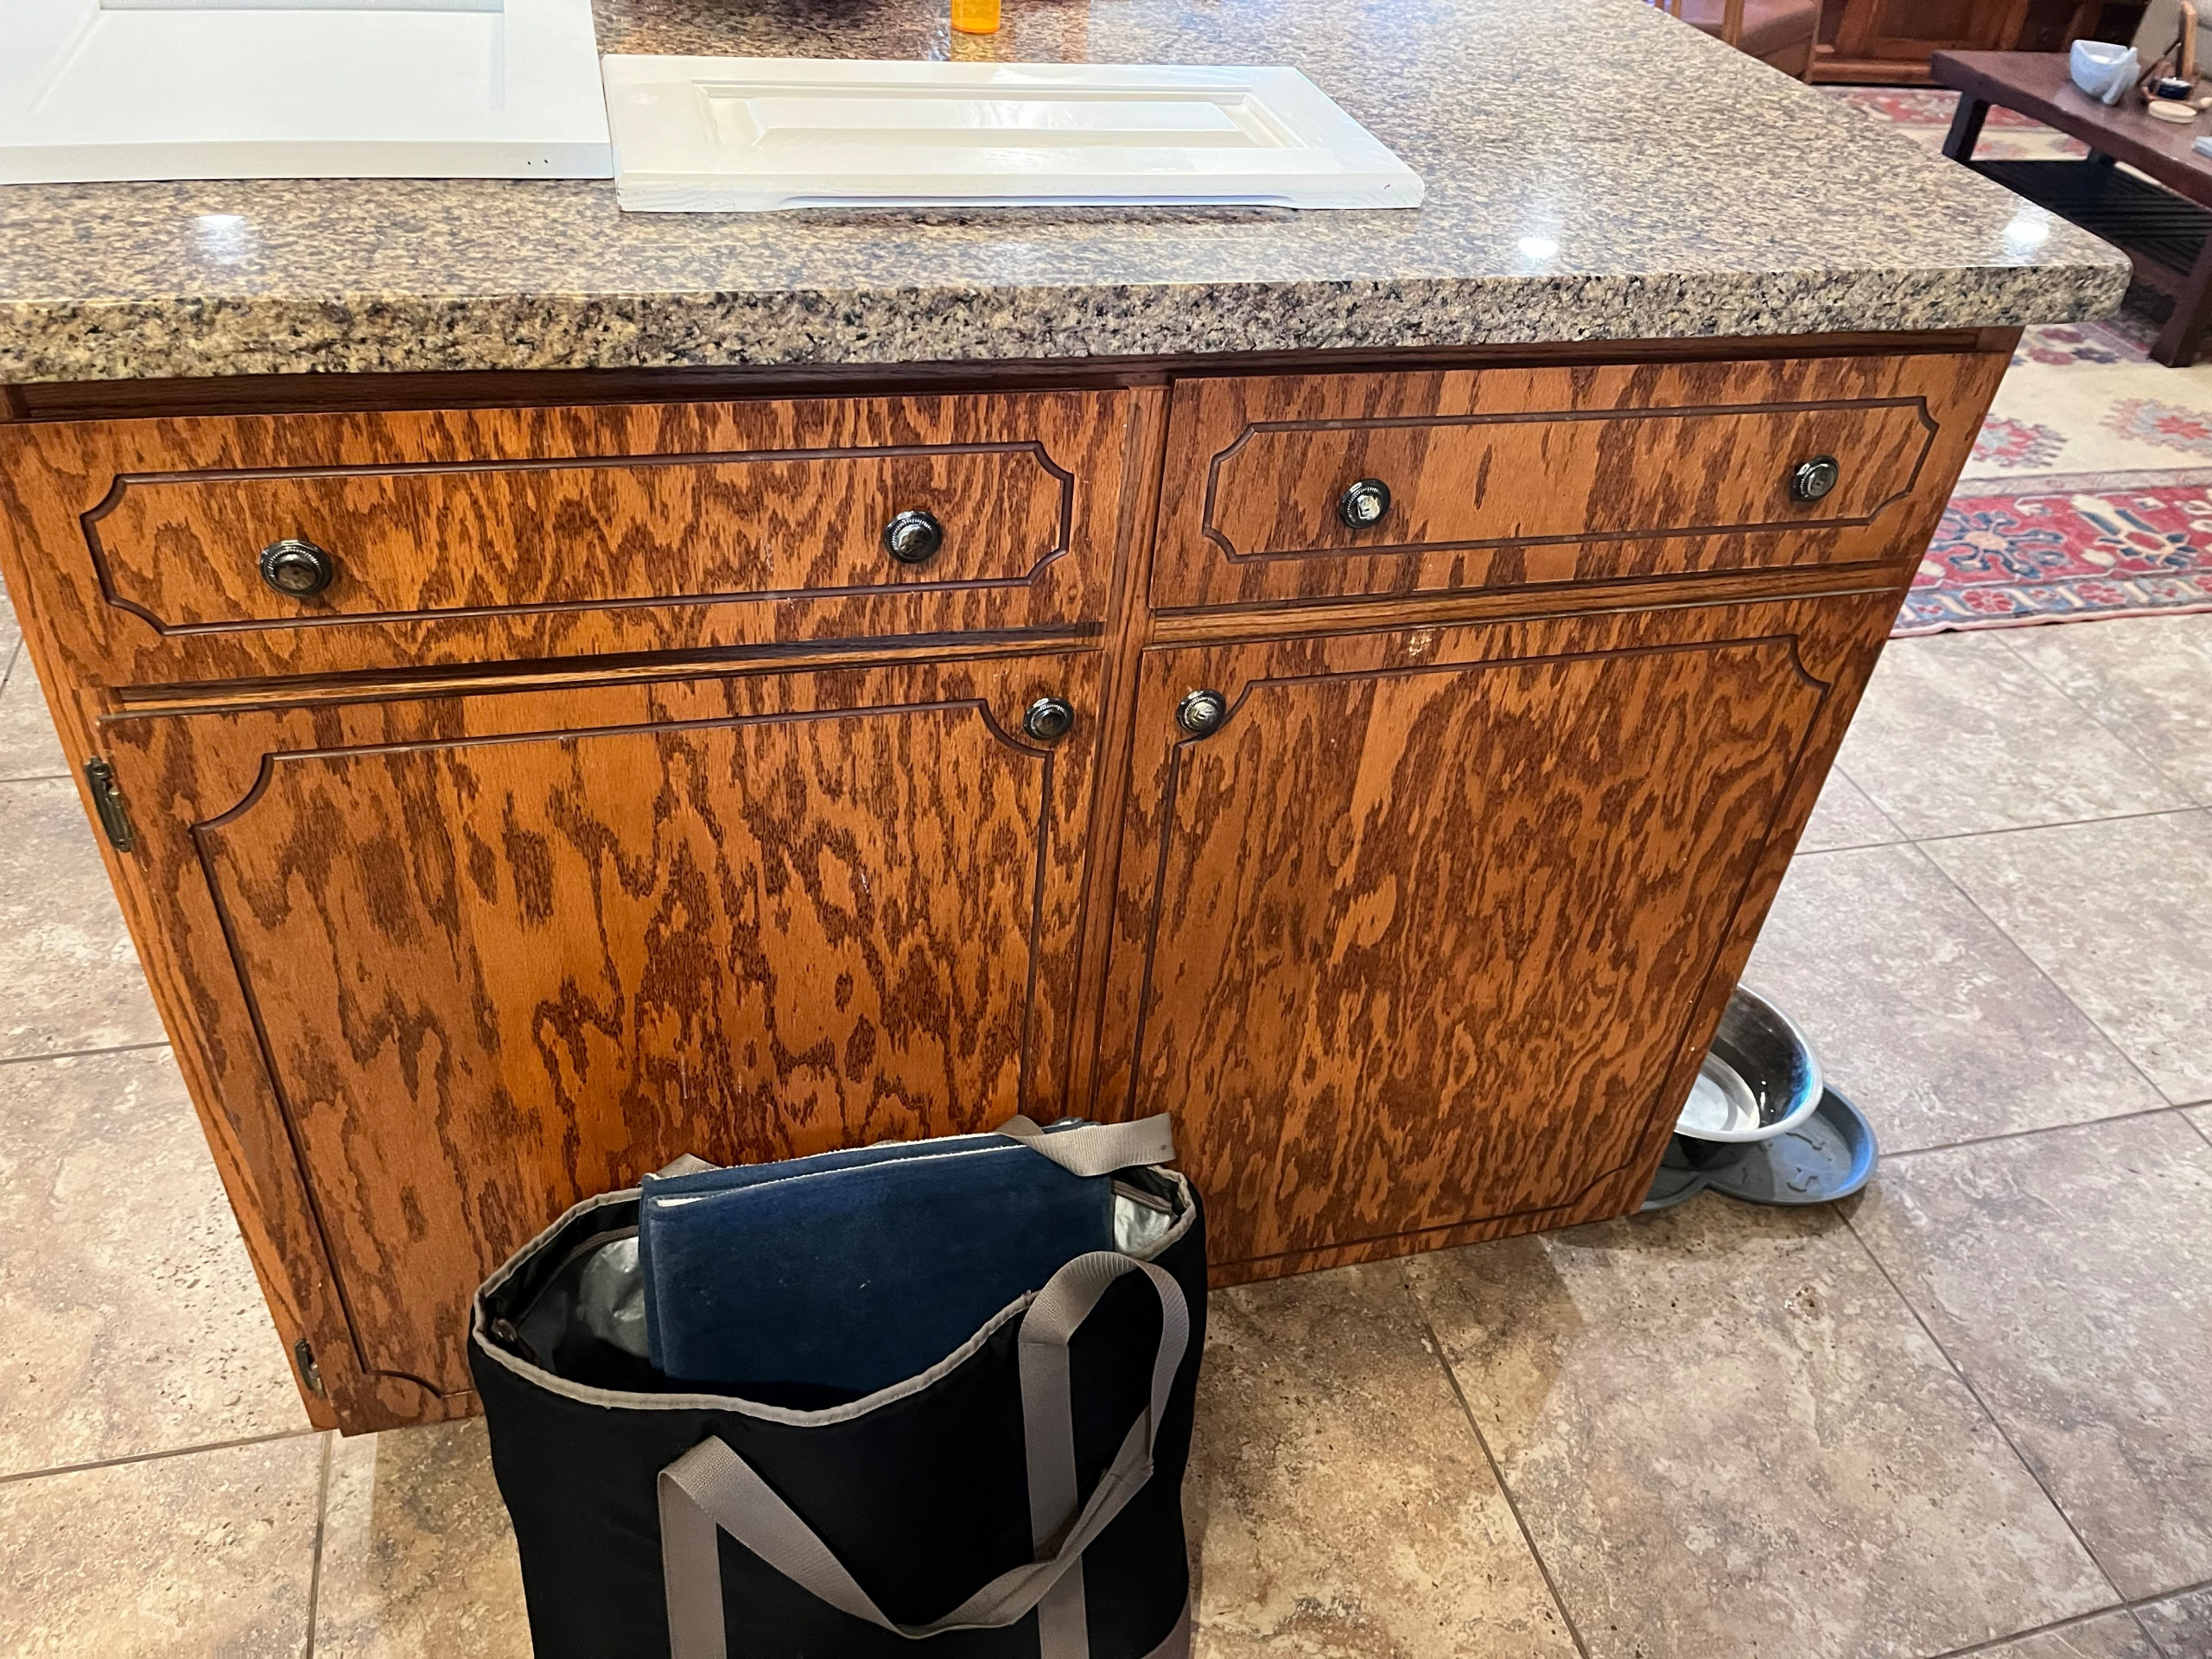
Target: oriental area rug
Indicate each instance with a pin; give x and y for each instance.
(2090, 493)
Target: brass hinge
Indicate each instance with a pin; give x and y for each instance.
(304, 1356)
(107, 801)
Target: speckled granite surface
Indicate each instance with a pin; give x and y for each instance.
(1688, 190)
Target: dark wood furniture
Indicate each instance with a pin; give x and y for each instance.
(622, 793)
(1890, 41)
(2163, 231)
(1781, 33)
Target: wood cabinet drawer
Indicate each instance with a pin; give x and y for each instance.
(1503, 477)
(505, 534)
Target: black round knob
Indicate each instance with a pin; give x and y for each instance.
(913, 536)
(1049, 720)
(1811, 479)
(1202, 712)
(1362, 506)
(296, 569)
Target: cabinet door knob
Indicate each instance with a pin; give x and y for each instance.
(1812, 479)
(1202, 712)
(296, 569)
(912, 537)
(1363, 504)
(1049, 719)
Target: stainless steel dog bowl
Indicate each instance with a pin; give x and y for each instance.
(1759, 1080)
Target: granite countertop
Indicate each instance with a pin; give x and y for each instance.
(1595, 169)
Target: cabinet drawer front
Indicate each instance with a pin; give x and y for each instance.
(416, 542)
(1509, 477)
(523, 534)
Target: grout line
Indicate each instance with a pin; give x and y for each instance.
(1497, 1474)
(322, 1526)
(38, 777)
(2042, 973)
(1837, 770)
(2059, 823)
(2073, 1623)
(2093, 717)
(2156, 1646)
(1974, 1394)
(82, 1053)
(2046, 1128)
(154, 1456)
(2153, 1600)
(2201, 1128)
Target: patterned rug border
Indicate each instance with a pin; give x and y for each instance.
(2179, 478)
(2046, 619)
(1937, 609)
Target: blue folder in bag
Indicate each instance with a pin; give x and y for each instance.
(834, 1275)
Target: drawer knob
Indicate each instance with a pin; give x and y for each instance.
(296, 569)
(1202, 712)
(1811, 479)
(912, 537)
(1049, 720)
(1362, 506)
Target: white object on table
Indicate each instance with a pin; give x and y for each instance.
(2102, 70)
(105, 90)
(748, 135)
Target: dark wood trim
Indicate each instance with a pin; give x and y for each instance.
(273, 394)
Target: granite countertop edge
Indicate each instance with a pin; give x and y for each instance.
(48, 342)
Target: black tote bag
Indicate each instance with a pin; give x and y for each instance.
(1020, 1499)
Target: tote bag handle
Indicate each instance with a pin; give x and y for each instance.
(711, 1489)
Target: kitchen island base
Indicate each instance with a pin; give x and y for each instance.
(514, 781)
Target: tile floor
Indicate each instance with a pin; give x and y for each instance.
(1970, 1411)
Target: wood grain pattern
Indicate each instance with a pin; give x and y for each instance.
(413, 543)
(463, 961)
(456, 917)
(1413, 940)
(503, 535)
(1533, 477)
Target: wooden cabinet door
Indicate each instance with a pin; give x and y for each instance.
(1431, 932)
(454, 963)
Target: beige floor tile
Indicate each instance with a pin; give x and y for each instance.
(1728, 1437)
(133, 1323)
(1957, 735)
(2147, 679)
(2181, 1626)
(1924, 1013)
(1845, 817)
(11, 630)
(2203, 1118)
(2070, 1275)
(2114, 1635)
(207, 1555)
(29, 747)
(1338, 1503)
(418, 1560)
(2119, 914)
(68, 976)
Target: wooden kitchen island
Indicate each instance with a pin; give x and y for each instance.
(559, 691)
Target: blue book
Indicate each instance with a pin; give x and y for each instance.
(829, 1277)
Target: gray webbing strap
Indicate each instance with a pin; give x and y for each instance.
(1099, 1149)
(710, 1487)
